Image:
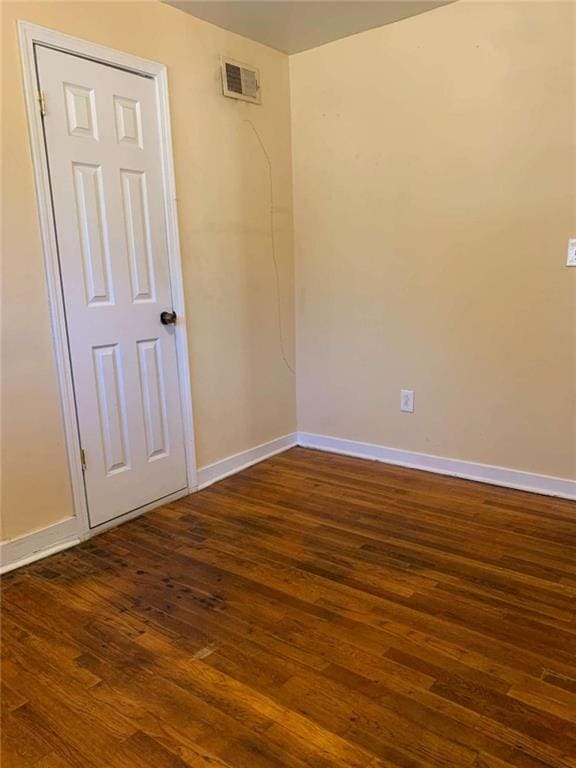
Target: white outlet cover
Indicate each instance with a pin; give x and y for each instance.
(571, 260)
(407, 400)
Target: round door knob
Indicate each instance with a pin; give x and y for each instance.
(168, 318)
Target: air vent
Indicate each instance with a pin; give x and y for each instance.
(240, 81)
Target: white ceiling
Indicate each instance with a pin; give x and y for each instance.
(296, 25)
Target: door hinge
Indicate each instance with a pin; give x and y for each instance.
(83, 458)
(42, 102)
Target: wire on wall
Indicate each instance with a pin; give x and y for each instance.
(273, 245)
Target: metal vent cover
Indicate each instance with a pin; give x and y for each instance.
(240, 81)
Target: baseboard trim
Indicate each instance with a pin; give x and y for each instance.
(15, 553)
(468, 470)
(212, 473)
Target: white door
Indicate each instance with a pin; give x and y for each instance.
(103, 145)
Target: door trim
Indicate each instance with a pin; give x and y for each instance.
(30, 35)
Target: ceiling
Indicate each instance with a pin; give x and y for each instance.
(296, 25)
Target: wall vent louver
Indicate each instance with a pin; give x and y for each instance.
(240, 81)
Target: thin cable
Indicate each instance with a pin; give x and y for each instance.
(273, 242)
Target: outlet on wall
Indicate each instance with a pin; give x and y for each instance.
(571, 260)
(407, 400)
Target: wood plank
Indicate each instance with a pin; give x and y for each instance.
(312, 611)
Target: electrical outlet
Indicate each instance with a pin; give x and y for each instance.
(407, 400)
(571, 260)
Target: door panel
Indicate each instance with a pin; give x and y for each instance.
(138, 239)
(91, 219)
(153, 397)
(81, 111)
(103, 144)
(128, 121)
(112, 407)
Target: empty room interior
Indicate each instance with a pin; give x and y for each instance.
(288, 425)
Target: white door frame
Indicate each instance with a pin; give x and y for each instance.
(29, 35)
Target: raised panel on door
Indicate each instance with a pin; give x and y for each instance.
(93, 232)
(81, 111)
(110, 386)
(128, 121)
(102, 138)
(153, 388)
(138, 234)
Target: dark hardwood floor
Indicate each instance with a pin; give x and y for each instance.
(314, 610)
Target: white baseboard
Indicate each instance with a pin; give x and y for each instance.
(239, 461)
(469, 470)
(15, 553)
(66, 533)
(33, 546)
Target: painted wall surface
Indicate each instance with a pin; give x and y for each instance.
(435, 188)
(243, 392)
(435, 192)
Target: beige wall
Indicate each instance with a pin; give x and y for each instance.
(435, 169)
(243, 393)
(434, 182)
